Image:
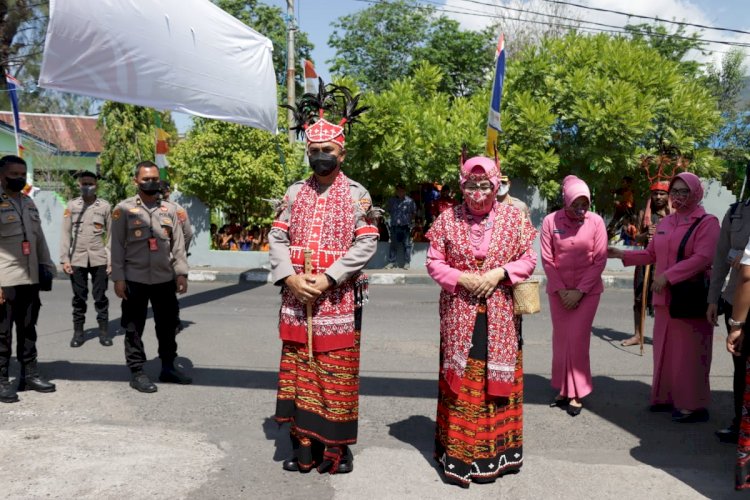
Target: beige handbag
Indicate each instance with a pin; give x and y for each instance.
(526, 294)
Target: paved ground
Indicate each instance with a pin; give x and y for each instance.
(97, 438)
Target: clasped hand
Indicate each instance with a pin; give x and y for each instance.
(482, 285)
(570, 298)
(307, 287)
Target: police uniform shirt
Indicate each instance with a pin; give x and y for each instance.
(85, 228)
(184, 220)
(733, 239)
(133, 225)
(19, 222)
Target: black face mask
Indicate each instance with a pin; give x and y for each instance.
(15, 184)
(150, 187)
(88, 191)
(323, 163)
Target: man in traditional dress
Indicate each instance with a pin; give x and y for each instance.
(329, 217)
(657, 207)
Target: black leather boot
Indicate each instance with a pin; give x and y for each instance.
(171, 374)
(7, 392)
(78, 336)
(104, 338)
(31, 379)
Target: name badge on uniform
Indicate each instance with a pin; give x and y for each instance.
(153, 245)
(660, 232)
(26, 247)
(559, 231)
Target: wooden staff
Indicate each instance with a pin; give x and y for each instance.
(644, 304)
(308, 270)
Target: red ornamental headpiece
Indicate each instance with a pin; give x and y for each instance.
(657, 167)
(325, 131)
(332, 100)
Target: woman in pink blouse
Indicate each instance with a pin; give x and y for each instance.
(682, 347)
(574, 253)
(477, 251)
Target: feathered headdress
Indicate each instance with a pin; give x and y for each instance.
(660, 169)
(334, 100)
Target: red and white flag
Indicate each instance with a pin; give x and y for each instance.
(311, 78)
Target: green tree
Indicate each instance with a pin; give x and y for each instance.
(389, 40)
(414, 133)
(670, 45)
(232, 167)
(128, 138)
(595, 105)
(726, 82)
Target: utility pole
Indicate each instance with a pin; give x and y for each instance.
(291, 25)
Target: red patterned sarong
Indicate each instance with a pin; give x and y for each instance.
(742, 470)
(479, 436)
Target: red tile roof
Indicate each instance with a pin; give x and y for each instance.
(70, 134)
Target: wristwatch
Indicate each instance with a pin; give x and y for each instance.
(732, 323)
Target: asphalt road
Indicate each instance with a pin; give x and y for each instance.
(97, 438)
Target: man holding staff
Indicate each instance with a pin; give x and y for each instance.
(321, 239)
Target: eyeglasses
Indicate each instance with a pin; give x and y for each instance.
(478, 187)
(679, 192)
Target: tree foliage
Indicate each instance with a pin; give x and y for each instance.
(732, 142)
(594, 105)
(23, 25)
(128, 138)
(414, 133)
(673, 46)
(389, 40)
(232, 167)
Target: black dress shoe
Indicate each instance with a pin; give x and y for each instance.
(7, 392)
(174, 376)
(35, 383)
(141, 383)
(574, 411)
(559, 403)
(700, 415)
(660, 407)
(78, 339)
(729, 435)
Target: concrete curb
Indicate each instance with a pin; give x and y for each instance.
(618, 281)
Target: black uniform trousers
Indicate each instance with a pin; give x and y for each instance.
(740, 366)
(21, 308)
(163, 300)
(80, 281)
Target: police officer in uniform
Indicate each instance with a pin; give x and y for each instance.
(149, 262)
(83, 252)
(187, 231)
(23, 254)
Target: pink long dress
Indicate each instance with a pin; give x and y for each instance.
(682, 347)
(573, 256)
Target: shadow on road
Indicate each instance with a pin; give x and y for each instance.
(614, 337)
(678, 449)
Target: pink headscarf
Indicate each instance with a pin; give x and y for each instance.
(477, 169)
(574, 188)
(696, 191)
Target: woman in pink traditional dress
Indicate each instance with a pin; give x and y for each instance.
(477, 251)
(682, 346)
(574, 253)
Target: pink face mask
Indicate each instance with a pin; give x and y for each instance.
(479, 202)
(678, 202)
